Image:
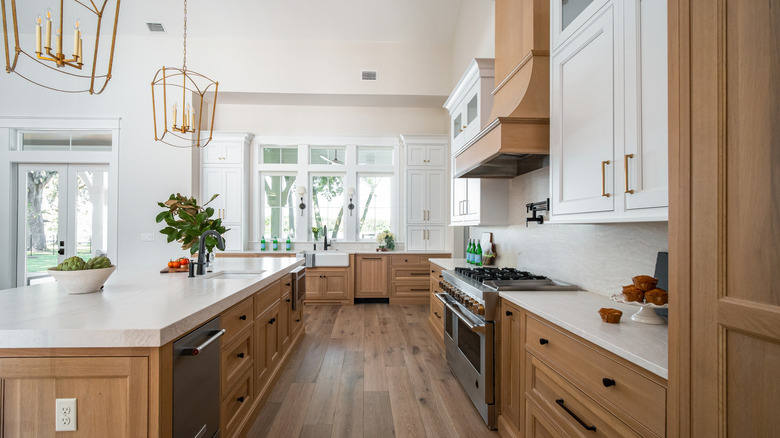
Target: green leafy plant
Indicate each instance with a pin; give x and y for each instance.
(186, 221)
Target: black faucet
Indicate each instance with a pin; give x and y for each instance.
(202, 248)
(325, 231)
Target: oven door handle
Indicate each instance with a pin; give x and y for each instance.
(476, 328)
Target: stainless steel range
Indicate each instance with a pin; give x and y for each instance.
(470, 300)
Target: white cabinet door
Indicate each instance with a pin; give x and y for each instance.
(232, 195)
(416, 155)
(582, 161)
(458, 199)
(416, 191)
(645, 164)
(415, 238)
(473, 202)
(434, 238)
(435, 189)
(232, 153)
(213, 153)
(211, 180)
(234, 238)
(437, 155)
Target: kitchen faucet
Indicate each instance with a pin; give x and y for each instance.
(326, 244)
(202, 248)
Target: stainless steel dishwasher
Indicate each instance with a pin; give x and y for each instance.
(196, 382)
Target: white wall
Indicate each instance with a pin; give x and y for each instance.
(474, 35)
(597, 257)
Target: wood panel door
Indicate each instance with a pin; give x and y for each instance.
(334, 286)
(371, 276)
(724, 228)
(511, 359)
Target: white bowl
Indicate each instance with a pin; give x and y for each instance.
(82, 282)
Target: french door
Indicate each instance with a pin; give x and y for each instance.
(62, 212)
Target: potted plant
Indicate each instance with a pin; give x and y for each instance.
(315, 232)
(386, 241)
(186, 221)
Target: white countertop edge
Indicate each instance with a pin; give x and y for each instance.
(654, 366)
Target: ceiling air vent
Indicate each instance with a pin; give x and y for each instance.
(368, 75)
(155, 27)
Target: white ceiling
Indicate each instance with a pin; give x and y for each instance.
(425, 21)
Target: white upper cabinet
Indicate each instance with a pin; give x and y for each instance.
(608, 115)
(567, 16)
(224, 171)
(418, 155)
(470, 103)
(479, 202)
(426, 191)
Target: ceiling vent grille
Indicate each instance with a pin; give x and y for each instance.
(155, 27)
(368, 75)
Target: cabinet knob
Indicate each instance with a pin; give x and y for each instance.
(288, 300)
(297, 320)
(508, 313)
(240, 355)
(288, 284)
(240, 399)
(607, 382)
(543, 341)
(242, 317)
(273, 320)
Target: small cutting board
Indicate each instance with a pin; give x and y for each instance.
(168, 270)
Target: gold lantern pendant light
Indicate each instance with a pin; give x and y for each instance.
(184, 128)
(55, 57)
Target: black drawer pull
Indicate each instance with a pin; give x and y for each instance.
(240, 355)
(418, 273)
(607, 382)
(240, 399)
(288, 284)
(543, 341)
(288, 300)
(437, 315)
(582, 423)
(419, 290)
(297, 320)
(273, 320)
(242, 317)
(441, 276)
(508, 313)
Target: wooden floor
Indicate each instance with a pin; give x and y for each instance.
(369, 370)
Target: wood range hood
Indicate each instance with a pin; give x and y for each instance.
(517, 138)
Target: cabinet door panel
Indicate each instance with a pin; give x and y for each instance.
(473, 196)
(583, 112)
(262, 360)
(511, 357)
(458, 198)
(647, 133)
(415, 238)
(371, 276)
(285, 308)
(335, 285)
(435, 190)
(212, 184)
(416, 155)
(436, 155)
(213, 154)
(232, 153)
(232, 191)
(416, 188)
(435, 239)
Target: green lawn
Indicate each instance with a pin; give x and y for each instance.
(40, 262)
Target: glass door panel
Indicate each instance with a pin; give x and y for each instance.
(91, 212)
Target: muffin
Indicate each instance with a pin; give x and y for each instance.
(632, 293)
(644, 282)
(611, 316)
(658, 297)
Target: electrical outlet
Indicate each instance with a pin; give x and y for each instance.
(66, 415)
(147, 237)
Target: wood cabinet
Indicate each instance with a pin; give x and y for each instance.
(436, 315)
(608, 125)
(555, 384)
(371, 276)
(724, 349)
(224, 172)
(410, 278)
(112, 395)
(328, 285)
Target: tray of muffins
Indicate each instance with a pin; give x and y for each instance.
(644, 294)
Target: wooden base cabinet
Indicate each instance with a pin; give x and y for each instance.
(371, 276)
(328, 286)
(556, 384)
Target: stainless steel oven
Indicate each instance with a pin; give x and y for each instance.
(469, 342)
(298, 287)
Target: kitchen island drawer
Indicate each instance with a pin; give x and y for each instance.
(570, 409)
(267, 297)
(409, 259)
(402, 290)
(629, 394)
(436, 272)
(236, 320)
(236, 406)
(411, 273)
(236, 360)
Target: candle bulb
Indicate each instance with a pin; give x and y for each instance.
(38, 21)
(188, 116)
(76, 35)
(59, 43)
(174, 114)
(81, 60)
(48, 29)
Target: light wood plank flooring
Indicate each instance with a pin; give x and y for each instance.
(369, 370)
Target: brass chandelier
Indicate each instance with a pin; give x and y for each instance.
(172, 83)
(46, 65)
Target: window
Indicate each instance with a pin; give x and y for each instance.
(66, 141)
(374, 206)
(280, 155)
(279, 207)
(327, 193)
(334, 156)
(381, 156)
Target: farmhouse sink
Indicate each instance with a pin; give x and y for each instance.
(326, 259)
(232, 275)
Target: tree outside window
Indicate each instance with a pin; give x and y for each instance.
(328, 204)
(279, 210)
(375, 206)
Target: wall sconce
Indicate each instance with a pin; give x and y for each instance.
(302, 193)
(351, 194)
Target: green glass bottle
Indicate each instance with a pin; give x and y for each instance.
(262, 243)
(276, 244)
(470, 252)
(288, 244)
(478, 254)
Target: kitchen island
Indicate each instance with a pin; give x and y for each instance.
(113, 350)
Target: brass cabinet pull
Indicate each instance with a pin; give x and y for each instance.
(604, 178)
(625, 165)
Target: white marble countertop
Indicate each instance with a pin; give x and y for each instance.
(450, 264)
(645, 345)
(135, 309)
